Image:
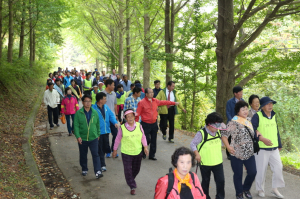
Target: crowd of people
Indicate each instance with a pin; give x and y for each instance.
(113, 104)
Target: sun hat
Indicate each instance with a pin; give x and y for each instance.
(265, 100)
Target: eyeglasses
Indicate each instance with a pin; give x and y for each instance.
(87, 101)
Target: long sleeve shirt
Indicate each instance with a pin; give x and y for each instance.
(126, 85)
(51, 98)
(130, 128)
(132, 103)
(147, 109)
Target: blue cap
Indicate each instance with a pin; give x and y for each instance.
(265, 100)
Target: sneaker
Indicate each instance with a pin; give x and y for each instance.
(247, 194)
(132, 192)
(261, 194)
(103, 168)
(240, 196)
(99, 174)
(117, 155)
(51, 128)
(57, 125)
(84, 173)
(277, 194)
(171, 140)
(164, 137)
(108, 155)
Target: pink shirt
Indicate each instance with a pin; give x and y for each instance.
(130, 128)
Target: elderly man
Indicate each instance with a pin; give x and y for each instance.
(167, 113)
(147, 109)
(265, 123)
(52, 99)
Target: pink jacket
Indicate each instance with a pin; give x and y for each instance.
(69, 106)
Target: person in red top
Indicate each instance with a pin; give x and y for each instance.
(147, 109)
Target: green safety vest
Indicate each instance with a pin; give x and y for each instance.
(131, 143)
(268, 128)
(121, 100)
(211, 150)
(88, 83)
(94, 96)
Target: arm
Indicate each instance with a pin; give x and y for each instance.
(98, 125)
(197, 139)
(116, 108)
(164, 102)
(118, 139)
(279, 139)
(112, 117)
(255, 124)
(76, 126)
(119, 95)
(45, 99)
(179, 105)
(144, 140)
(225, 134)
(160, 189)
(126, 104)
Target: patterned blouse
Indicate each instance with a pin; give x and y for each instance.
(240, 140)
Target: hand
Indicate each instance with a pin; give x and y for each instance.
(99, 138)
(184, 110)
(146, 151)
(117, 126)
(114, 153)
(176, 103)
(231, 150)
(198, 157)
(267, 142)
(79, 140)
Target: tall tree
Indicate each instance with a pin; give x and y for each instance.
(10, 31)
(128, 47)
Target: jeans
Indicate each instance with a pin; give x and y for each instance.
(70, 129)
(150, 131)
(83, 151)
(54, 112)
(103, 147)
(237, 168)
(219, 179)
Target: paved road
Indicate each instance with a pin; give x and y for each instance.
(113, 184)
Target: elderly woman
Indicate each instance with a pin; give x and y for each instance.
(254, 103)
(131, 135)
(241, 149)
(186, 184)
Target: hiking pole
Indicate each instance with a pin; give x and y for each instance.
(197, 166)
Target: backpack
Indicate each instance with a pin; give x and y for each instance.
(171, 182)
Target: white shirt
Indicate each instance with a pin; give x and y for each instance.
(51, 98)
(172, 97)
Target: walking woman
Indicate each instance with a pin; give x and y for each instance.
(185, 184)
(131, 135)
(75, 89)
(69, 106)
(241, 149)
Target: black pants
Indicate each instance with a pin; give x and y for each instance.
(54, 112)
(114, 132)
(87, 92)
(164, 118)
(120, 114)
(59, 108)
(219, 179)
(229, 141)
(150, 131)
(103, 147)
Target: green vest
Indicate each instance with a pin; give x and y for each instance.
(121, 100)
(268, 128)
(88, 83)
(94, 96)
(211, 151)
(131, 143)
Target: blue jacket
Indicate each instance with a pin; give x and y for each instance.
(109, 117)
(126, 87)
(230, 113)
(67, 81)
(255, 123)
(142, 95)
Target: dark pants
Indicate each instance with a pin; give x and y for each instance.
(219, 179)
(132, 165)
(164, 118)
(59, 109)
(83, 151)
(54, 112)
(229, 141)
(80, 87)
(237, 167)
(120, 114)
(68, 118)
(150, 131)
(103, 147)
(114, 132)
(87, 92)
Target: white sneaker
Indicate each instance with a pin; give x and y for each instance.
(103, 169)
(276, 194)
(261, 194)
(99, 174)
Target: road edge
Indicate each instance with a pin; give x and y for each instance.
(29, 157)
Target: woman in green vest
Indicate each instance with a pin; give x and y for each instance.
(207, 146)
(94, 93)
(120, 100)
(131, 135)
(241, 149)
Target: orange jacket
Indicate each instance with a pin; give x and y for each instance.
(162, 186)
(147, 109)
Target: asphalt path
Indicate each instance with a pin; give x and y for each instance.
(113, 185)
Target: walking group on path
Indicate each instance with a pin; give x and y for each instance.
(115, 105)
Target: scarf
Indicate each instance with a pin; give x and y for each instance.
(185, 181)
(58, 90)
(74, 91)
(243, 121)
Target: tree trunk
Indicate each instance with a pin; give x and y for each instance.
(121, 56)
(22, 36)
(33, 45)
(194, 89)
(101, 66)
(146, 60)
(30, 36)
(225, 60)
(128, 49)
(1, 41)
(10, 31)
(97, 63)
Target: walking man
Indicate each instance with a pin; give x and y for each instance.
(157, 88)
(126, 83)
(52, 99)
(87, 85)
(67, 79)
(167, 113)
(78, 80)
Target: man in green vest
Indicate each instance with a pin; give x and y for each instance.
(207, 146)
(87, 85)
(265, 123)
(94, 93)
(120, 100)
(167, 113)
